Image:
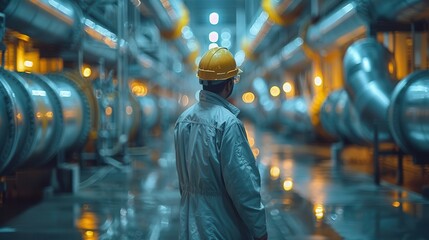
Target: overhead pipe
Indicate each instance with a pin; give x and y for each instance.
(172, 18)
(273, 16)
(60, 22)
(335, 30)
(369, 70)
(408, 114)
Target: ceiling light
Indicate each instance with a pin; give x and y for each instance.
(213, 36)
(214, 18)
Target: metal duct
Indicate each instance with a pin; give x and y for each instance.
(328, 115)
(75, 111)
(370, 79)
(274, 15)
(293, 114)
(401, 10)
(408, 116)
(339, 117)
(172, 17)
(47, 122)
(335, 30)
(47, 21)
(59, 22)
(338, 28)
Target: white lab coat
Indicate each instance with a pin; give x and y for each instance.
(218, 178)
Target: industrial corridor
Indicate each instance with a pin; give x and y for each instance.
(329, 97)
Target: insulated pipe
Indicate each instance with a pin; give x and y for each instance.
(339, 117)
(294, 115)
(172, 17)
(335, 30)
(75, 111)
(274, 14)
(60, 22)
(408, 115)
(370, 78)
(338, 28)
(47, 21)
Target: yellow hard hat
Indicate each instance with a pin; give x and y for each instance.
(217, 64)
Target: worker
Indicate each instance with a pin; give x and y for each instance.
(218, 177)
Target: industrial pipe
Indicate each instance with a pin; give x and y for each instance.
(42, 117)
(369, 70)
(340, 119)
(60, 22)
(408, 114)
(275, 15)
(293, 114)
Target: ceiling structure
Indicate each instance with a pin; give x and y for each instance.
(235, 18)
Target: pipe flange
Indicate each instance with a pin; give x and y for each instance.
(9, 146)
(16, 82)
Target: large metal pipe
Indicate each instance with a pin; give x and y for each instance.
(293, 114)
(335, 30)
(47, 21)
(172, 18)
(275, 15)
(370, 79)
(40, 116)
(76, 112)
(340, 119)
(338, 28)
(60, 22)
(408, 115)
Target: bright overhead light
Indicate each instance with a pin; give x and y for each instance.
(213, 36)
(214, 18)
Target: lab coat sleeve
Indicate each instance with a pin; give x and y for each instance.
(242, 178)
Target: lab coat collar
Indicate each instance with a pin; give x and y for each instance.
(207, 96)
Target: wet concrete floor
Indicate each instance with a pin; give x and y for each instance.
(307, 196)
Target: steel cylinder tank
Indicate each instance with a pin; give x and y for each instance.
(409, 113)
(369, 69)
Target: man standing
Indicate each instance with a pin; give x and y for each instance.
(218, 178)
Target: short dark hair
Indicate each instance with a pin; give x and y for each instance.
(218, 87)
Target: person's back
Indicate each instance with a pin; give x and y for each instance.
(218, 178)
